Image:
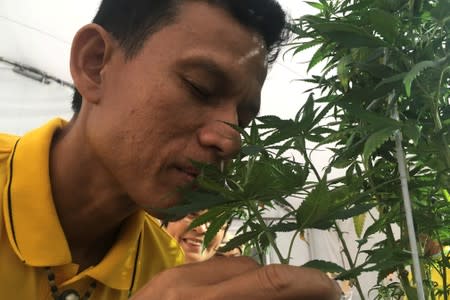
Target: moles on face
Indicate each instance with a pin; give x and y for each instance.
(167, 106)
(192, 240)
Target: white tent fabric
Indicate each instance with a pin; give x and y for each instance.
(26, 103)
(39, 34)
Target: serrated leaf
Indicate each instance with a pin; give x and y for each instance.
(375, 141)
(380, 223)
(324, 266)
(412, 131)
(306, 45)
(208, 216)
(373, 119)
(348, 35)
(214, 228)
(391, 79)
(254, 137)
(414, 72)
(384, 23)
(446, 195)
(194, 201)
(308, 112)
(284, 147)
(284, 227)
(350, 274)
(252, 149)
(269, 119)
(319, 55)
(264, 240)
(239, 240)
(315, 4)
(353, 211)
(376, 70)
(314, 210)
(343, 71)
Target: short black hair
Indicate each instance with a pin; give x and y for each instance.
(131, 22)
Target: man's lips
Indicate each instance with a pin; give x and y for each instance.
(189, 173)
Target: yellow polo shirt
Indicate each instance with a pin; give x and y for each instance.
(31, 237)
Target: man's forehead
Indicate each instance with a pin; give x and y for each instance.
(203, 16)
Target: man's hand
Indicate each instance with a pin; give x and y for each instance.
(238, 278)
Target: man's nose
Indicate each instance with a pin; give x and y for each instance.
(220, 136)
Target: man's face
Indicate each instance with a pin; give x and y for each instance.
(192, 240)
(167, 106)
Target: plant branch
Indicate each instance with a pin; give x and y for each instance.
(349, 259)
(437, 120)
(270, 238)
(291, 244)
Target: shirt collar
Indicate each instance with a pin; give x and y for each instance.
(35, 231)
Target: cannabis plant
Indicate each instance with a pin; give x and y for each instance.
(381, 104)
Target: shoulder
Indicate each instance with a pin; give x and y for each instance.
(7, 143)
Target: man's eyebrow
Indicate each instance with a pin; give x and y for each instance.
(209, 65)
(214, 69)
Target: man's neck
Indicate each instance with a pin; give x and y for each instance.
(89, 203)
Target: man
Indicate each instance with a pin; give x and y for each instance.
(156, 81)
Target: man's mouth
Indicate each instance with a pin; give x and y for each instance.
(189, 173)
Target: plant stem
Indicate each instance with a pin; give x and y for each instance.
(349, 259)
(272, 241)
(437, 120)
(260, 253)
(291, 245)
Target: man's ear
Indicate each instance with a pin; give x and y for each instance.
(92, 48)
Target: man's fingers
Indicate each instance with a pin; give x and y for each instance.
(214, 270)
(239, 278)
(218, 269)
(276, 282)
(191, 280)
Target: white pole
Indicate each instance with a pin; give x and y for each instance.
(401, 160)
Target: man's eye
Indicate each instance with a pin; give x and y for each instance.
(198, 90)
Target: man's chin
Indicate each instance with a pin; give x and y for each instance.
(161, 211)
(163, 215)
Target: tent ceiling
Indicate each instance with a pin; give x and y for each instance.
(39, 33)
